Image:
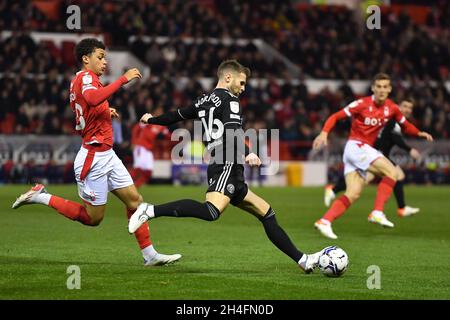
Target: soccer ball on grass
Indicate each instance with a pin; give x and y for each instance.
(333, 262)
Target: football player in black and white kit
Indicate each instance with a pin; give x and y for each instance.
(221, 116)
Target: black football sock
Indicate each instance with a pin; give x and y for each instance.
(187, 208)
(340, 185)
(278, 237)
(399, 194)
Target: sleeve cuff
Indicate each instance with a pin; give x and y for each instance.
(123, 79)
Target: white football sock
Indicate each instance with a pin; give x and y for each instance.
(150, 211)
(149, 251)
(43, 198)
(303, 258)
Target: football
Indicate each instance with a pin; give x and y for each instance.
(333, 262)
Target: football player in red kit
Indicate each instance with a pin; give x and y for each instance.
(142, 141)
(97, 168)
(369, 115)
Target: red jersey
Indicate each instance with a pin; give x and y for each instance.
(368, 119)
(93, 120)
(145, 134)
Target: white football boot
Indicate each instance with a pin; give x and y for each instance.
(407, 211)
(29, 197)
(379, 218)
(160, 259)
(143, 213)
(309, 262)
(324, 226)
(329, 195)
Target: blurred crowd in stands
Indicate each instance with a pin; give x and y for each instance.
(40, 105)
(324, 42)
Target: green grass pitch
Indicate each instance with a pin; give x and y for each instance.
(227, 259)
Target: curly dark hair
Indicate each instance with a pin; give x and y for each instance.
(86, 47)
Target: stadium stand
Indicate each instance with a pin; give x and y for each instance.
(35, 76)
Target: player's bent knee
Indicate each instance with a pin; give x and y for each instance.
(391, 172)
(393, 175)
(134, 201)
(353, 196)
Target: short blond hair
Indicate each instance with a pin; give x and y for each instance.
(381, 76)
(232, 65)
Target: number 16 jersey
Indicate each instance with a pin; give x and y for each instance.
(221, 115)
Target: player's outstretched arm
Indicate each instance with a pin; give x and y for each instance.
(320, 141)
(410, 129)
(425, 135)
(95, 97)
(132, 74)
(170, 117)
(322, 138)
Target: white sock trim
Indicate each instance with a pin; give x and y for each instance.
(303, 258)
(150, 211)
(149, 251)
(43, 198)
(377, 212)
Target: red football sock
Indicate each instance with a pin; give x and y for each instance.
(384, 192)
(337, 209)
(70, 209)
(142, 234)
